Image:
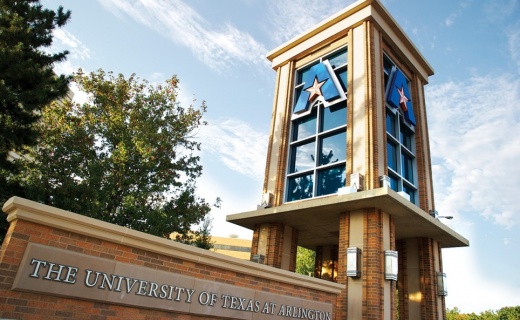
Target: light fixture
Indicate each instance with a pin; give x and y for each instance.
(353, 262)
(442, 289)
(391, 265)
(435, 214)
(384, 181)
(357, 181)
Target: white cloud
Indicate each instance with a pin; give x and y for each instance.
(475, 142)
(67, 40)
(64, 40)
(291, 18)
(513, 38)
(237, 145)
(216, 46)
(209, 187)
(450, 20)
(499, 10)
(469, 286)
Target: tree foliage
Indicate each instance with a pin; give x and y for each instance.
(305, 260)
(125, 156)
(505, 313)
(202, 237)
(27, 81)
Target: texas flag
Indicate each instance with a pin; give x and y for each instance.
(398, 95)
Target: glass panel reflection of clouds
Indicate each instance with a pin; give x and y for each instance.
(334, 148)
(303, 157)
(305, 127)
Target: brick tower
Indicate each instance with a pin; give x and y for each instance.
(348, 170)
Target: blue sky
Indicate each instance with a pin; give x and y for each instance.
(218, 49)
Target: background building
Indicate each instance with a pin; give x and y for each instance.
(348, 170)
(232, 246)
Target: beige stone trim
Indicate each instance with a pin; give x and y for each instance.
(344, 20)
(359, 100)
(23, 209)
(316, 54)
(355, 285)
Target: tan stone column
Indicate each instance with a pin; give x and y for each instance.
(420, 260)
(277, 243)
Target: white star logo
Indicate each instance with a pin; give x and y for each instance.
(315, 90)
(403, 99)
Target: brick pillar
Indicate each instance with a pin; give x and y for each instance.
(254, 242)
(278, 243)
(428, 278)
(419, 262)
(294, 251)
(373, 266)
(344, 230)
(402, 279)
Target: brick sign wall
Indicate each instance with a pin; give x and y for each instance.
(59, 265)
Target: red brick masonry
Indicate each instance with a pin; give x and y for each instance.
(60, 265)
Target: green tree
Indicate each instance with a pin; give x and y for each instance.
(305, 261)
(509, 313)
(27, 81)
(125, 156)
(505, 313)
(202, 237)
(454, 314)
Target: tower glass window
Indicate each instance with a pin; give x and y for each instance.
(318, 138)
(400, 145)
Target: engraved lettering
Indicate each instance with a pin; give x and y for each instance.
(234, 302)
(204, 297)
(265, 309)
(164, 291)
(72, 272)
(37, 267)
(118, 288)
(179, 291)
(107, 281)
(153, 289)
(171, 291)
(141, 291)
(130, 286)
(281, 312)
(241, 303)
(50, 271)
(189, 292)
(87, 278)
(225, 297)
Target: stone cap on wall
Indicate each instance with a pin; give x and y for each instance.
(23, 209)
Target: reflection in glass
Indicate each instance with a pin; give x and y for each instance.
(330, 180)
(342, 77)
(303, 72)
(392, 155)
(407, 167)
(390, 123)
(300, 188)
(410, 192)
(406, 137)
(393, 183)
(333, 148)
(334, 116)
(338, 59)
(303, 157)
(304, 127)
